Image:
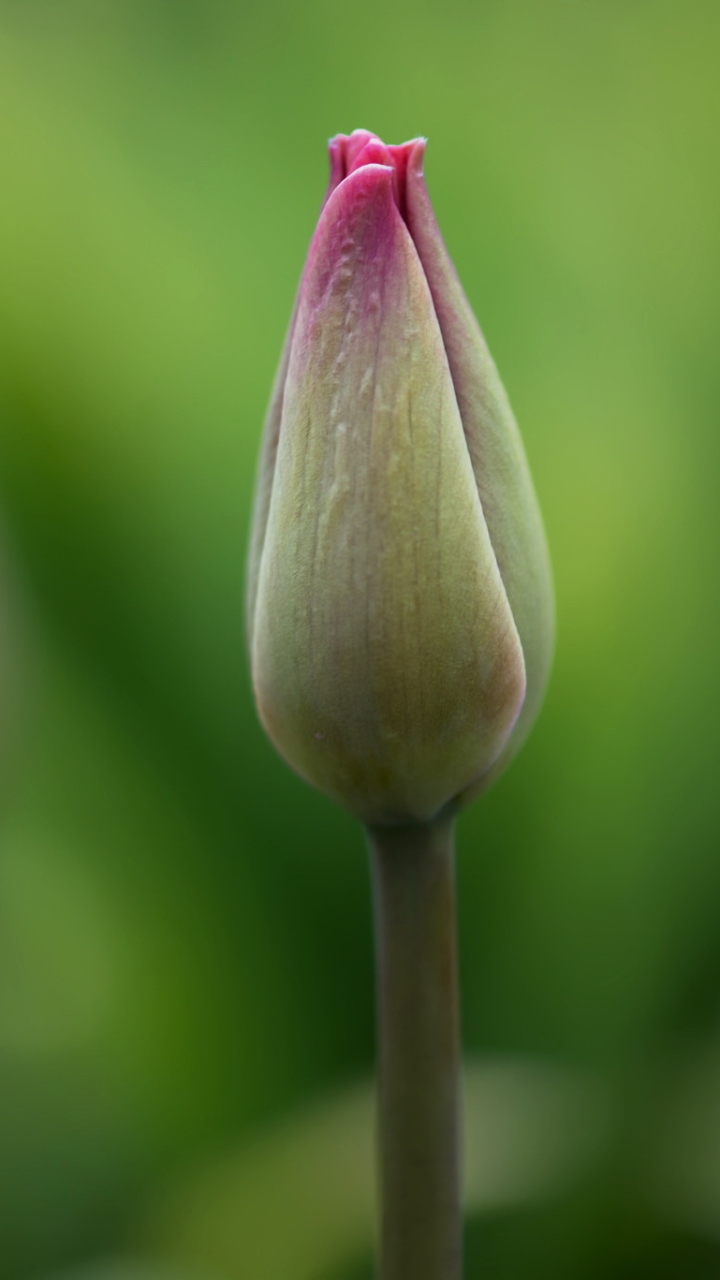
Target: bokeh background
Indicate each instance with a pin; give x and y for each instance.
(186, 1024)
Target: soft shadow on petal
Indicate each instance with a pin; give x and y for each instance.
(498, 458)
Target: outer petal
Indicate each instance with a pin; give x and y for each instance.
(264, 477)
(386, 662)
(496, 450)
(271, 427)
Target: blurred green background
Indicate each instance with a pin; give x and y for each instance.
(186, 1024)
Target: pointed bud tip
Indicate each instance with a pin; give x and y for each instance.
(361, 149)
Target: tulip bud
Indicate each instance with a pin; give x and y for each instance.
(400, 607)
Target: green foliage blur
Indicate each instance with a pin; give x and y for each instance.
(186, 1020)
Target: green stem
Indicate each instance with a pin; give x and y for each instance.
(418, 1050)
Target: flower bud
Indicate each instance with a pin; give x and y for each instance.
(400, 608)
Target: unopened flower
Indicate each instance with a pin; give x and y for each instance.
(400, 606)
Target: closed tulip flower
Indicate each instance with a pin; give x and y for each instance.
(399, 601)
(400, 620)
